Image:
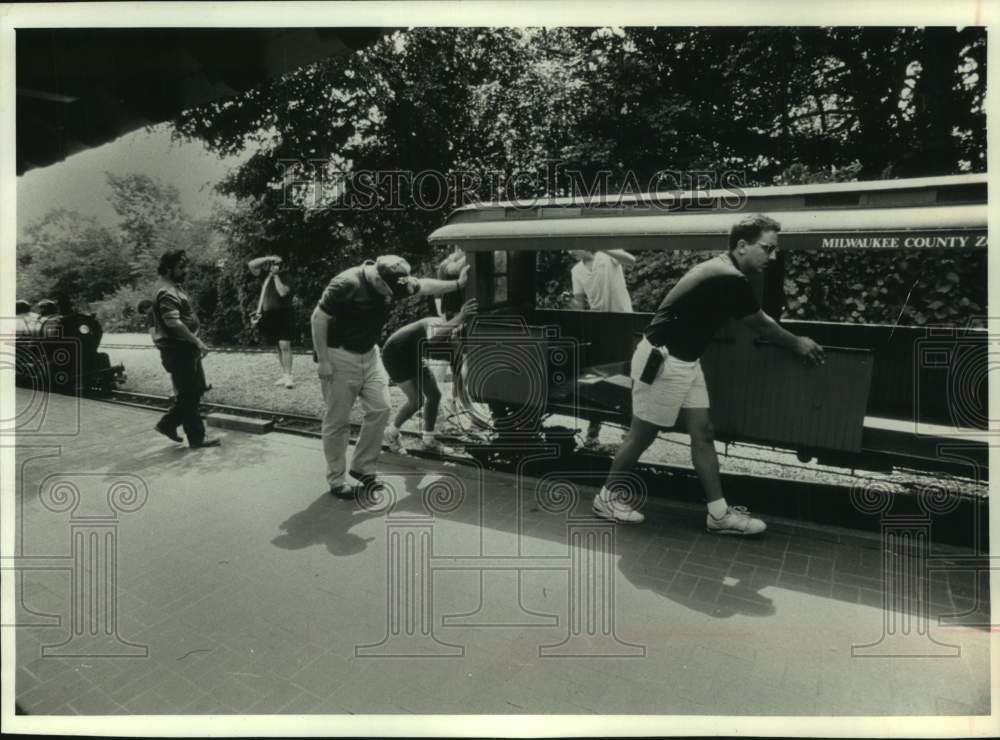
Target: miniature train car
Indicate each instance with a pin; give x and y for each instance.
(524, 360)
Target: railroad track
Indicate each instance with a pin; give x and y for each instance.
(794, 498)
(877, 460)
(224, 350)
(302, 425)
(309, 426)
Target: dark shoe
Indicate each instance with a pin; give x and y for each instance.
(206, 443)
(346, 492)
(168, 433)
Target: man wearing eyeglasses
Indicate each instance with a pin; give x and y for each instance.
(667, 382)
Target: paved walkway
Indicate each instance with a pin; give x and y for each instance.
(158, 580)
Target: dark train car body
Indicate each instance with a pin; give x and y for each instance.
(575, 362)
(61, 354)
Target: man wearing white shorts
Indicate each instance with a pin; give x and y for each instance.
(667, 383)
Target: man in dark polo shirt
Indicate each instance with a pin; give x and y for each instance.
(346, 327)
(175, 333)
(667, 382)
(275, 317)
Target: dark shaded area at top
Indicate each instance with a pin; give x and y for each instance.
(79, 88)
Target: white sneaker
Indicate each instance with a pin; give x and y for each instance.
(289, 383)
(434, 447)
(282, 380)
(394, 442)
(613, 508)
(737, 520)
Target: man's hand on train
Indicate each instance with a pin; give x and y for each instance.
(810, 351)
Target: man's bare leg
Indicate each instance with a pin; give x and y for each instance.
(705, 459)
(610, 503)
(722, 518)
(403, 414)
(285, 356)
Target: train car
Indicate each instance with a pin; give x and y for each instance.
(61, 354)
(884, 391)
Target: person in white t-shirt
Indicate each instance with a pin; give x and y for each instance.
(599, 285)
(599, 281)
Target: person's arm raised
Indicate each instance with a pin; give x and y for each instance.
(257, 263)
(620, 256)
(432, 287)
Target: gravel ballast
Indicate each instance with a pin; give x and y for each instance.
(247, 379)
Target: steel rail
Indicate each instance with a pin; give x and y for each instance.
(309, 426)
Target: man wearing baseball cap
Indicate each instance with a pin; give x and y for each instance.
(346, 327)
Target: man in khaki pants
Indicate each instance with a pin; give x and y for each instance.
(346, 327)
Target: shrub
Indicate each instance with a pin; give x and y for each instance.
(872, 287)
(117, 312)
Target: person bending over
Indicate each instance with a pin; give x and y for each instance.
(404, 355)
(347, 323)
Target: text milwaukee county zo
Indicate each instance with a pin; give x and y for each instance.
(909, 242)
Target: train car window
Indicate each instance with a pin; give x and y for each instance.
(966, 194)
(831, 200)
(501, 262)
(500, 289)
(896, 198)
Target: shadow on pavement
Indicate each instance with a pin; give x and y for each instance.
(700, 584)
(327, 522)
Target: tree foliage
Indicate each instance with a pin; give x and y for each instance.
(65, 252)
(626, 105)
(111, 269)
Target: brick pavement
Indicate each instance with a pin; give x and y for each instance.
(253, 592)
